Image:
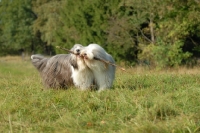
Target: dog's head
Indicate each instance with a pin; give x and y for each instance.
(87, 54)
(95, 57)
(92, 51)
(77, 49)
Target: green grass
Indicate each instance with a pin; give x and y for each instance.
(141, 101)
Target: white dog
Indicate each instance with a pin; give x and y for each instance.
(82, 76)
(104, 74)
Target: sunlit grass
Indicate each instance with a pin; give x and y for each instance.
(141, 100)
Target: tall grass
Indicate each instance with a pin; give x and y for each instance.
(141, 101)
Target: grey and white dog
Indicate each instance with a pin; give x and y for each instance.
(103, 73)
(82, 75)
(56, 72)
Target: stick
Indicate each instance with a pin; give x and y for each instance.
(108, 62)
(102, 60)
(66, 50)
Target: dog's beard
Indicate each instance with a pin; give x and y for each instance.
(82, 76)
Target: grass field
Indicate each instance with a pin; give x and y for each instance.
(141, 101)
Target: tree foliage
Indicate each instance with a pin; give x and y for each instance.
(16, 25)
(156, 32)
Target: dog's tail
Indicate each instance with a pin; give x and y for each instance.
(39, 61)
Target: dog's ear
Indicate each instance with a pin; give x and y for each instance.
(73, 63)
(99, 54)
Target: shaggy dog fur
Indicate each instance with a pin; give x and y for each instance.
(81, 74)
(56, 72)
(104, 74)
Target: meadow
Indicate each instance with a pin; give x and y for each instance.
(142, 100)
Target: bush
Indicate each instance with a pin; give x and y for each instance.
(163, 54)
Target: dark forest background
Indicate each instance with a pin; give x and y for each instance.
(153, 32)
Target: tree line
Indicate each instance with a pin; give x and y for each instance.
(152, 32)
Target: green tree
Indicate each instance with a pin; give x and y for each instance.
(157, 32)
(85, 22)
(162, 40)
(47, 22)
(16, 23)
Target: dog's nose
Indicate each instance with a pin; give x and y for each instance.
(83, 54)
(78, 50)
